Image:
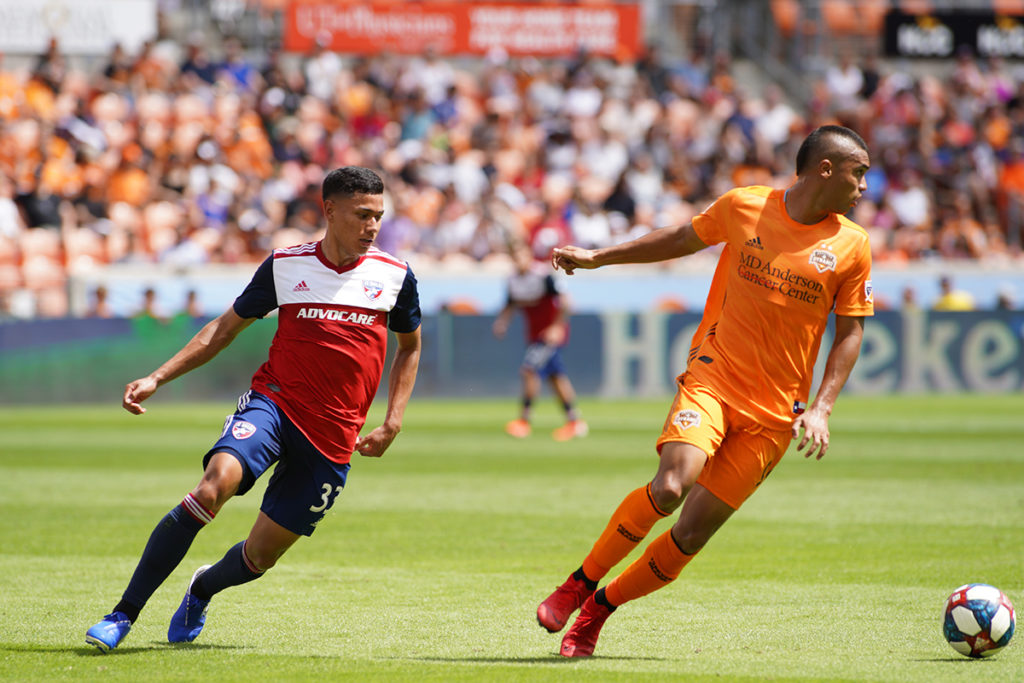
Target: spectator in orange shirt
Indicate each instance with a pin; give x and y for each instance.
(129, 183)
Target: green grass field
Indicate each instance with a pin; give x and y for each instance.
(434, 559)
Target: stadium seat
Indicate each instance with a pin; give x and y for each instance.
(85, 250)
(462, 306)
(41, 272)
(841, 17)
(671, 304)
(1012, 7)
(786, 14)
(916, 6)
(872, 16)
(9, 252)
(10, 277)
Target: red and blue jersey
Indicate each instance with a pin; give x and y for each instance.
(327, 357)
(537, 295)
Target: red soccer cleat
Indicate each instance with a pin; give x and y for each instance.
(520, 428)
(554, 612)
(581, 639)
(574, 429)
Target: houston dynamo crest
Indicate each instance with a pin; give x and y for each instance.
(823, 259)
(686, 419)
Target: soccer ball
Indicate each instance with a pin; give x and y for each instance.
(979, 620)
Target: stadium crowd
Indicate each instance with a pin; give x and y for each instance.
(186, 155)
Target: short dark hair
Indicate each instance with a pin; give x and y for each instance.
(348, 181)
(819, 143)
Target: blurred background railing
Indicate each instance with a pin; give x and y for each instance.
(152, 152)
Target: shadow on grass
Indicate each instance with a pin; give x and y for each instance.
(85, 650)
(197, 646)
(554, 659)
(954, 659)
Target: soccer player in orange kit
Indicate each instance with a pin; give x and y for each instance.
(789, 259)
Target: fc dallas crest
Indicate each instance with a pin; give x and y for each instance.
(372, 289)
(242, 429)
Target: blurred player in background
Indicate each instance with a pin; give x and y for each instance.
(336, 299)
(532, 289)
(790, 258)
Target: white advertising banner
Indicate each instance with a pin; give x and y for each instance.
(83, 27)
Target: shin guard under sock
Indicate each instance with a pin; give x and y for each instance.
(234, 569)
(165, 549)
(659, 566)
(629, 524)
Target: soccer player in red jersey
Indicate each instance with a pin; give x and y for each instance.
(790, 258)
(535, 293)
(336, 300)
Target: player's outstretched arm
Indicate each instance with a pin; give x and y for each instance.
(658, 245)
(400, 383)
(500, 326)
(841, 359)
(207, 343)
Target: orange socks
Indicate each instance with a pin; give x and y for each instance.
(656, 568)
(629, 524)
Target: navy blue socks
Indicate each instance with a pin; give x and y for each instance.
(165, 549)
(234, 569)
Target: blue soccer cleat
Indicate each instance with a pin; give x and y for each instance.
(188, 620)
(108, 634)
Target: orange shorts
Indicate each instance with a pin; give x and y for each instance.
(741, 452)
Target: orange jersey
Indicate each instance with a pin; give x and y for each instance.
(775, 284)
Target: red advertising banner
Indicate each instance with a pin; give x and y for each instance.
(539, 29)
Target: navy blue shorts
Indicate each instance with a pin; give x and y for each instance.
(304, 484)
(544, 359)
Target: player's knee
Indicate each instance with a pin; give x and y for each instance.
(220, 481)
(668, 491)
(210, 496)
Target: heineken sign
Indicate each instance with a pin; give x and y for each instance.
(942, 35)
